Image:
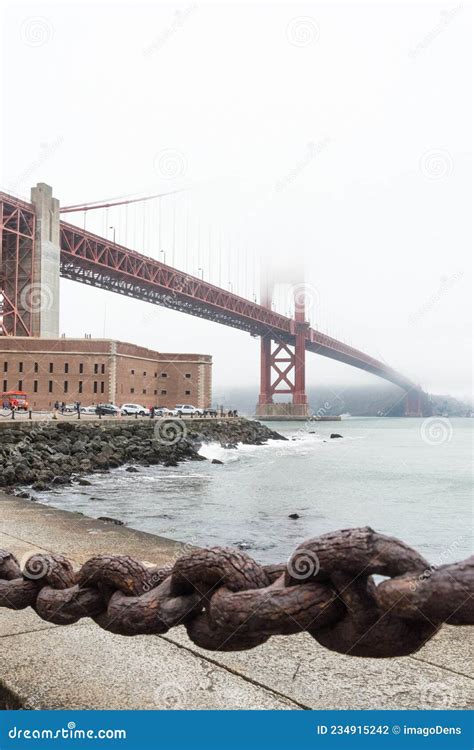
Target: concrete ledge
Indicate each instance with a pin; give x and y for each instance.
(42, 417)
(81, 666)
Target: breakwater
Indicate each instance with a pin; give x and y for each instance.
(51, 453)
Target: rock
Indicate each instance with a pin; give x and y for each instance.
(101, 461)
(216, 461)
(110, 520)
(42, 454)
(24, 494)
(335, 435)
(61, 479)
(41, 486)
(294, 515)
(79, 446)
(63, 447)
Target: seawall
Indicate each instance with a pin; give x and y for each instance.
(80, 666)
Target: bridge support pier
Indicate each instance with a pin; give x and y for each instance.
(413, 404)
(44, 297)
(282, 371)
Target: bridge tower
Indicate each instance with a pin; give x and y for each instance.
(44, 297)
(282, 365)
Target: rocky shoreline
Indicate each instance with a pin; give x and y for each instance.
(40, 455)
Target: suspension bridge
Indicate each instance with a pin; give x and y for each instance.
(38, 247)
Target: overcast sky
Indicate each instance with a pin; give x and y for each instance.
(334, 136)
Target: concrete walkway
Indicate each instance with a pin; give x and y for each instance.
(81, 666)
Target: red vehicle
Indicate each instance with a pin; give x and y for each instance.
(17, 400)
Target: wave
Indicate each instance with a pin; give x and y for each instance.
(298, 442)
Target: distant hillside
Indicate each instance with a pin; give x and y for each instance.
(361, 401)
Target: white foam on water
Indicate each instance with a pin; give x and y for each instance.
(298, 442)
(215, 450)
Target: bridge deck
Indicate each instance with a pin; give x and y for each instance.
(90, 259)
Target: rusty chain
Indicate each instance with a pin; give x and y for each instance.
(229, 602)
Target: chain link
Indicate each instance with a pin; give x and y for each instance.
(229, 602)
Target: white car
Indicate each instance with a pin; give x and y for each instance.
(87, 410)
(128, 409)
(70, 408)
(162, 411)
(186, 410)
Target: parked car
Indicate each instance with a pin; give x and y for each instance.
(107, 410)
(88, 409)
(128, 409)
(186, 410)
(162, 411)
(70, 408)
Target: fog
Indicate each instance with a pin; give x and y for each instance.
(329, 143)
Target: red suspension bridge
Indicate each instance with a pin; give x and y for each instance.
(37, 247)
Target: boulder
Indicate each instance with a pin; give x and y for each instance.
(111, 520)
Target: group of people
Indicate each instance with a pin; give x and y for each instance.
(60, 406)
